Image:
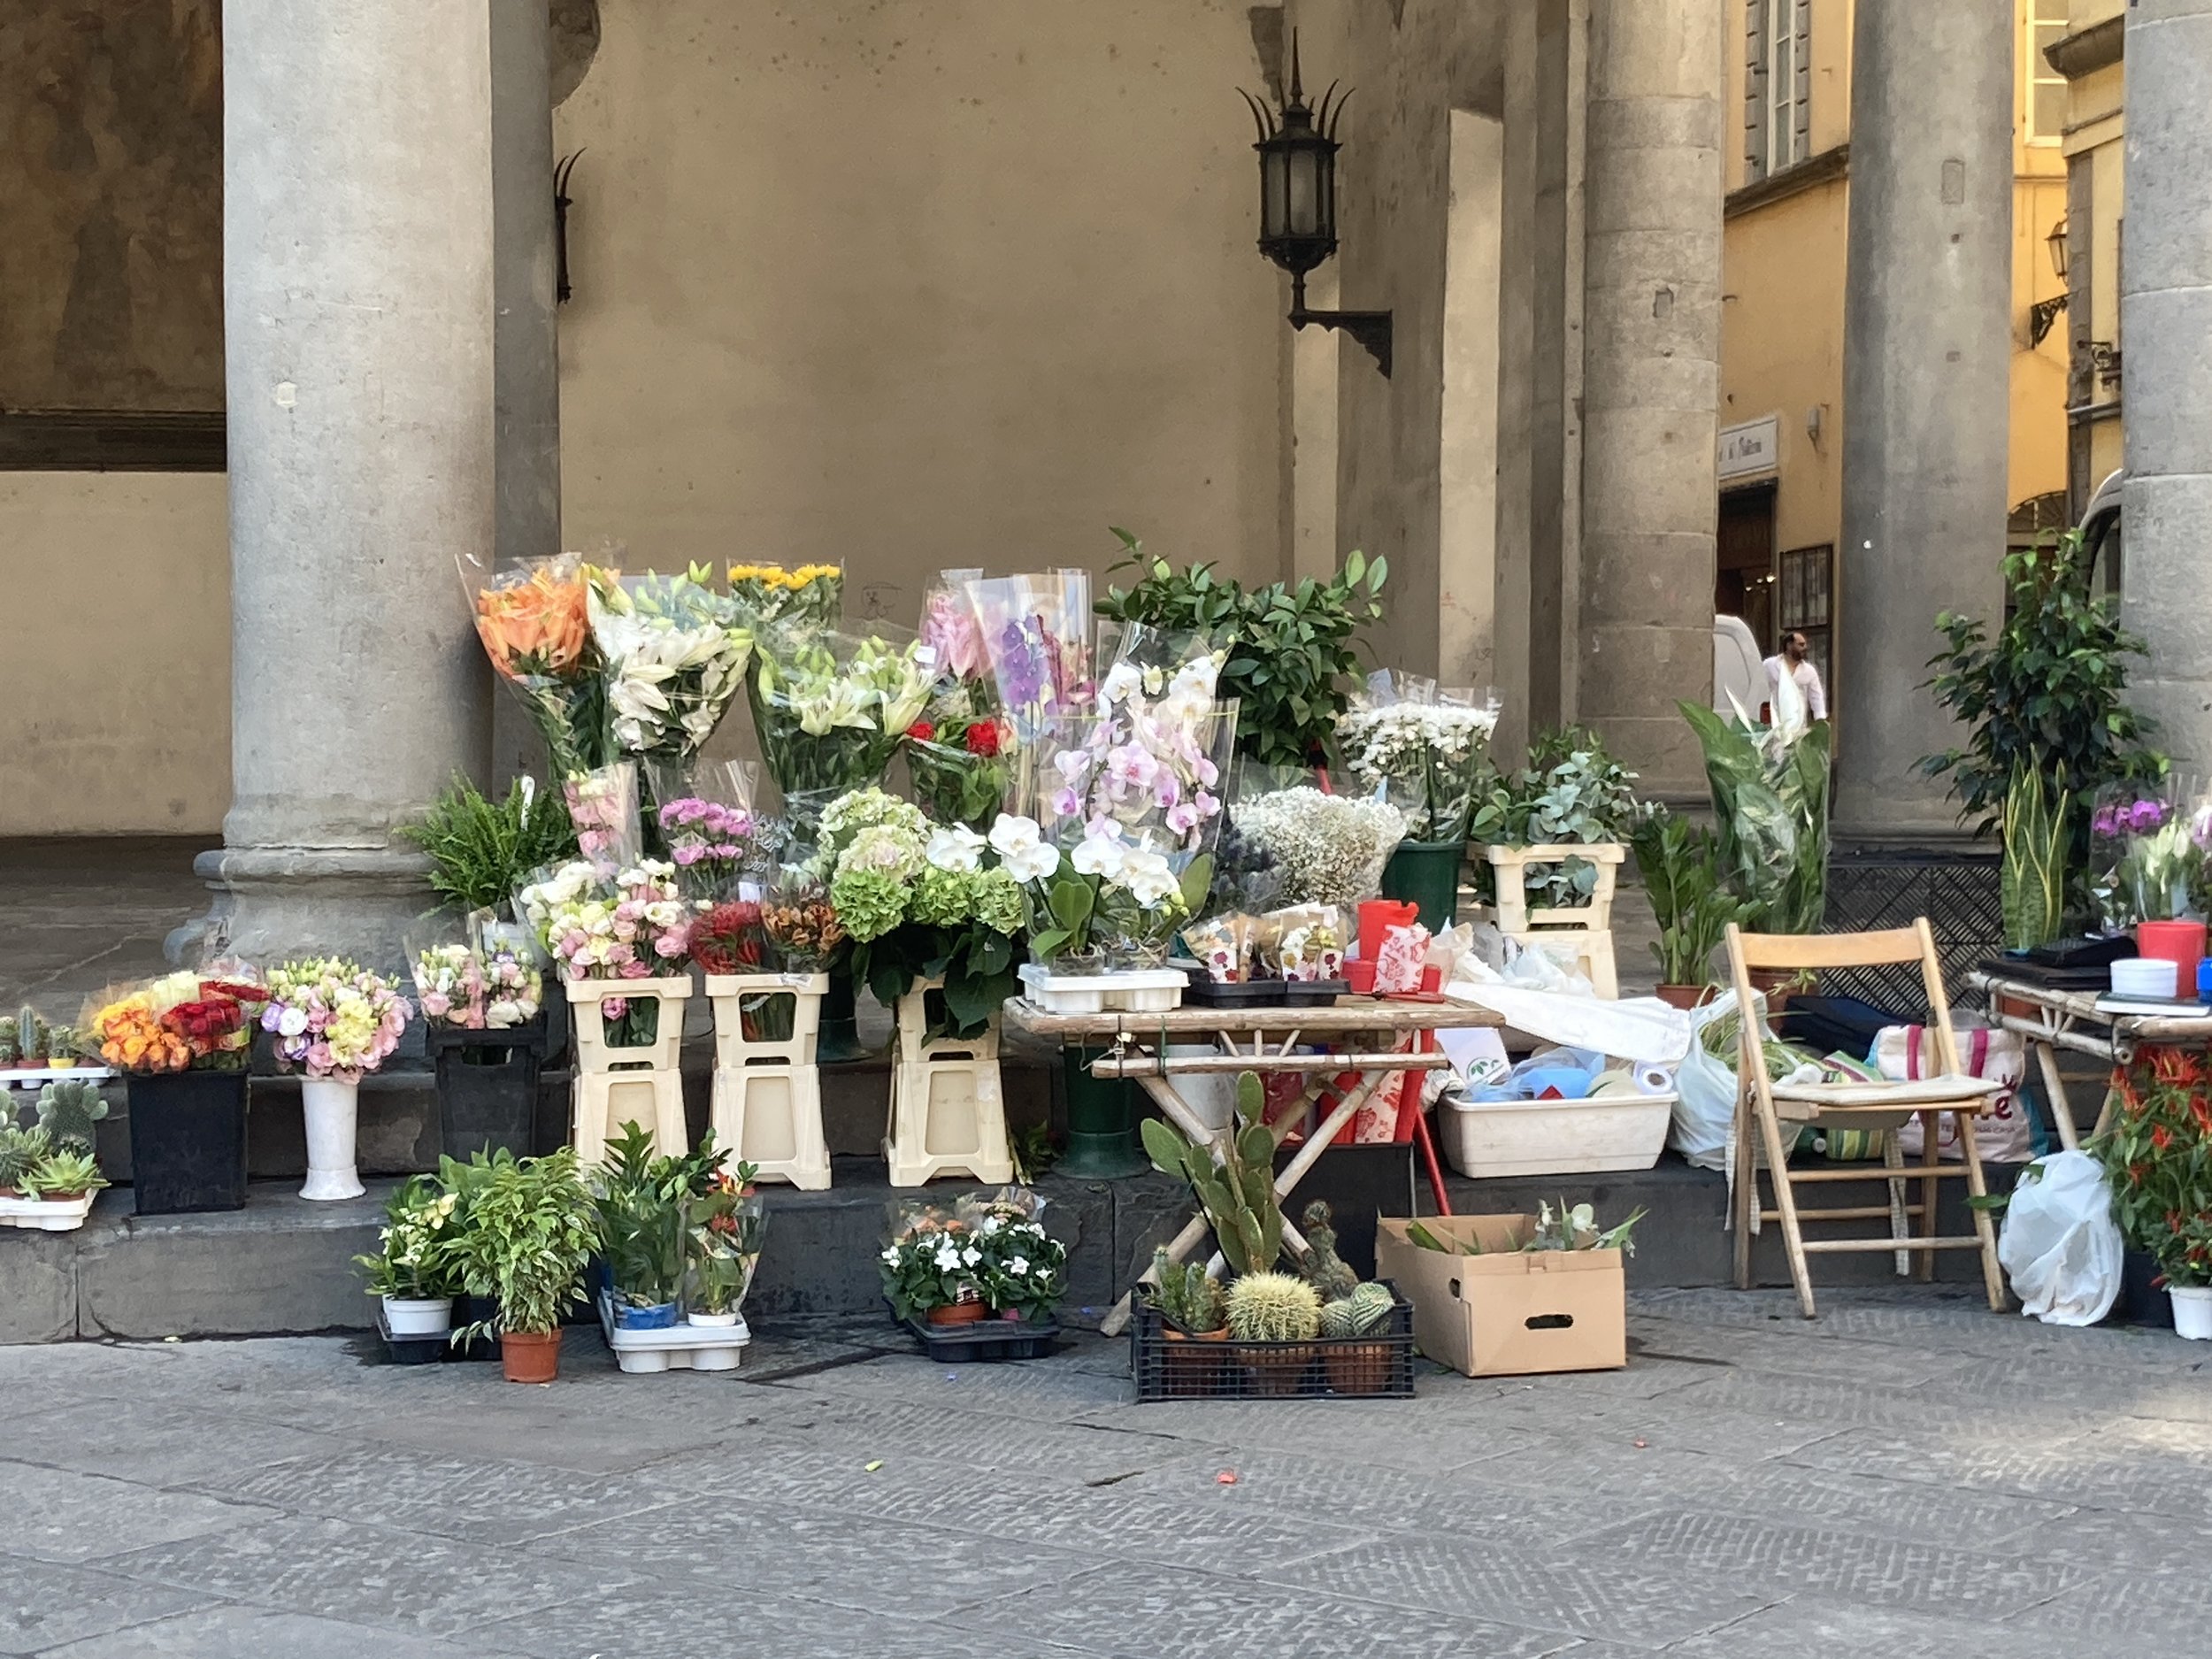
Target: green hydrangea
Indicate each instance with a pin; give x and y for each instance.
(945, 898)
(869, 902)
(846, 818)
(884, 851)
(997, 901)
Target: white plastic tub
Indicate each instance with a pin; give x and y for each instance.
(1556, 1137)
(679, 1346)
(1144, 991)
(45, 1215)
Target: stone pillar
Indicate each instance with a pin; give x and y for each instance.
(2166, 343)
(360, 325)
(1926, 386)
(1651, 381)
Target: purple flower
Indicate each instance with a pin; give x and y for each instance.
(1023, 665)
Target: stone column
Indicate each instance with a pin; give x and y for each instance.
(1926, 386)
(2166, 343)
(359, 323)
(1651, 381)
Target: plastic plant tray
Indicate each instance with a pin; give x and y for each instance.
(1203, 992)
(1145, 991)
(983, 1342)
(413, 1350)
(45, 1215)
(679, 1347)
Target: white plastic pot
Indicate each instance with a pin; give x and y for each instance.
(717, 1321)
(1556, 1137)
(418, 1316)
(332, 1107)
(2193, 1311)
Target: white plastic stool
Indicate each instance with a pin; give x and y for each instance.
(948, 1116)
(767, 1094)
(647, 1089)
(1585, 929)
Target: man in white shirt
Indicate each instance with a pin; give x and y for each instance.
(1792, 660)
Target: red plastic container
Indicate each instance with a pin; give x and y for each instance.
(1377, 917)
(2181, 943)
(1359, 973)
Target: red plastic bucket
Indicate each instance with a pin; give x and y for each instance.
(2181, 943)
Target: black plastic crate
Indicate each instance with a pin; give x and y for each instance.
(1203, 992)
(983, 1342)
(1374, 1367)
(411, 1351)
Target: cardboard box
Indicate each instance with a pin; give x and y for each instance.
(1507, 1312)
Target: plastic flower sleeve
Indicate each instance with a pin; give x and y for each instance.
(830, 708)
(722, 1231)
(811, 593)
(534, 623)
(676, 652)
(602, 807)
(711, 832)
(801, 926)
(1036, 630)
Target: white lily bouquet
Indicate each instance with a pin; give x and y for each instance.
(676, 653)
(1421, 748)
(831, 707)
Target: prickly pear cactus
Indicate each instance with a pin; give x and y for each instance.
(67, 1111)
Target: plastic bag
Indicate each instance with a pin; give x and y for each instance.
(2060, 1245)
(1705, 1092)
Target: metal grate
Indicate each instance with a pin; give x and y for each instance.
(1889, 887)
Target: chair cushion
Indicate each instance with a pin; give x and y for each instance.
(1962, 1094)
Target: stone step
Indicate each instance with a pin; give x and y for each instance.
(284, 1265)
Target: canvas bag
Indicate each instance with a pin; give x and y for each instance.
(1908, 1053)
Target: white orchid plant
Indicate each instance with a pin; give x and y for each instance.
(1109, 902)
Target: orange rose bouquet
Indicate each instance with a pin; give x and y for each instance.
(180, 1022)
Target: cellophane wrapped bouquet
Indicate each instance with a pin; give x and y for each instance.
(722, 1230)
(200, 1020)
(331, 1017)
(1036, 630)
(1422, 747)
(534, 621)
(492, 985)
(831, 707)
(676, 652)
(635, 926)
(921, 901)
(711, 832)
(959, 753)
(2147, 854)
(804, 593)
(603, 809)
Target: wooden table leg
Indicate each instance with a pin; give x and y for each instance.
(2055, 1092)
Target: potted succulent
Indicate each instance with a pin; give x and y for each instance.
(69, 1111)
(530, 1229)
(1273, 1318)
(63, 1174)
(21, 1151)
(2157, 1157)
(1680, 865)
(1192, 1313)
(415, 1271)
(183, 1041)
(333, 1021)
(24, 1039)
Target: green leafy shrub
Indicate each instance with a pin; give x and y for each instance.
(481, 850)
(1681, 868)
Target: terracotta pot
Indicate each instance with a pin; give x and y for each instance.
(1684, 996)
(1269, 1370)
(1194, 1362)
(1357, 1368)
(958, 1313)
(1776, 984)
(530, 1356)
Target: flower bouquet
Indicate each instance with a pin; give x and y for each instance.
(920, 902)
(676, 653)
(2149, 852)
(1035, 630)
(710, 834)
(959, 753)
(491, 986)
(723, 1228)
(1329, 848)
(801, 926)
(770, 593)
(633, 928)
(534, 623)
(332, 1018)
(603, 809)
(1422, 747)
(830, 708)
(181, 1022)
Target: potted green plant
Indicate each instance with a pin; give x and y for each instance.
(1192, 1315)
(1680, 865)
(2157, 1158)
(530, 1229)
(63, 1174)
(1770, 791)
(416, 1269)
(1572, 794)
(2038, 841)
(641, 1199)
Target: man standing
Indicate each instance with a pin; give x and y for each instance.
(1793, 662)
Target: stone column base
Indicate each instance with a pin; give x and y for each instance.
(280, 902)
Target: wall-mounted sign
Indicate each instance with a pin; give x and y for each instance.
(1753, 448)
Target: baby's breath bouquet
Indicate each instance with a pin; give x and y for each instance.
(1330, 849)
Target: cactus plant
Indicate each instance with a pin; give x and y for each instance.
(1361, 1313)
(1186, 1296)
(29, 1035)
(21, 1151)
(64, 1175)
(1234, 1180)
(1321, 1266)
(1273, 1308)
(67, 1111)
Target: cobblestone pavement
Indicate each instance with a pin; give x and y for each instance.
(1909, 1476)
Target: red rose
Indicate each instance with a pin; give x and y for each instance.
(983, 739)
(921, 731)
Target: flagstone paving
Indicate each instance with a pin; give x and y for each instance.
(1909, 1476)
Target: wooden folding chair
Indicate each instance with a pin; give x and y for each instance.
(1767, 1106)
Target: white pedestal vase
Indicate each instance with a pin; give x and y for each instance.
(2193, 1311)
(332, 1108)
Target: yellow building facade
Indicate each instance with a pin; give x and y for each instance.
(2086, 61)
(1788, 172)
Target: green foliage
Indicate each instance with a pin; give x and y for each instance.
(1273, 1308)
(1571, 791)
(63, 1174)
(2038, 835)
(642, 1199)
(68, 1110)
(1187, 1295)
(416, 1253)
(530, 1229)
(1321, 1266)
(1034, 1155)
(1680, 865)
(481, 850)
(1291, 654)
(1235, 1182)
(21, 1150)
(1771, 800)
(2157, 1159)
(1361, 1311)
(976, 963)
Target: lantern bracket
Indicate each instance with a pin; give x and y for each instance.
(1371, 329)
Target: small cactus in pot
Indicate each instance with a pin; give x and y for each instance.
(1186, 1295)
(1362, 1313)
(1321, 1266)
(1355, 1364)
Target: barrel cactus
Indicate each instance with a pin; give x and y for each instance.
(1273, 1308)
(67, 1111)
(1362, 1313)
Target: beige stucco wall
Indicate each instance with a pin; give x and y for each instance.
(117, 660)
(856, 283)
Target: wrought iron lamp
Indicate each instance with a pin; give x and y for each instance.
(2044, 313)
(1298, 146)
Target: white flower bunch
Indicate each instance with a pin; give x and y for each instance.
(1330, 848)
(1429, 753)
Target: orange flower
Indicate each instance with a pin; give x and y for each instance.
(537, 626)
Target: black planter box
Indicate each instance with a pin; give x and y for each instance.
(2142, 1302)
(487, 1086)
(187, 1142)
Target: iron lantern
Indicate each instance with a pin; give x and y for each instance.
(2056, 242)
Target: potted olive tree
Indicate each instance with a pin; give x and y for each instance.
(530, 1229)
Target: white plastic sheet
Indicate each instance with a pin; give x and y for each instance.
(2059, 1244)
